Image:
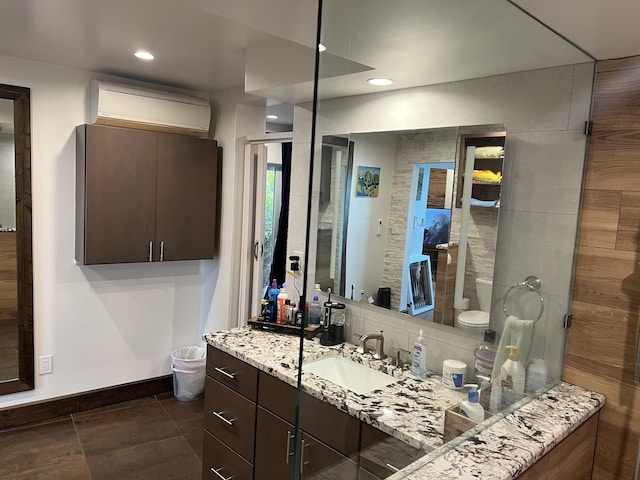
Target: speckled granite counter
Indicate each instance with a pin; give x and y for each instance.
(412, 409)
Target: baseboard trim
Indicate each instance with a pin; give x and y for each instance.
(61, 406)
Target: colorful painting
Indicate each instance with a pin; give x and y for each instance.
(368, 182)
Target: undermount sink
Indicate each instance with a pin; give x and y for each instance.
(348, 374)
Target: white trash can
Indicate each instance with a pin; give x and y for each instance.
(188, 365)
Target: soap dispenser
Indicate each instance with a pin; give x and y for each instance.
(471, 407)
(512, 376)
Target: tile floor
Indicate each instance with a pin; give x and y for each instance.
(154, 438)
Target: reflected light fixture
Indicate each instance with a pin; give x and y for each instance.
(321, 47)
(144, 55)
(380, 82)
(272, 117)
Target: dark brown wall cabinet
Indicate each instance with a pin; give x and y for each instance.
(144, 196)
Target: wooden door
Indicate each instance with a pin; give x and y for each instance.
(274, 447)
(119, 169)
(186, 198)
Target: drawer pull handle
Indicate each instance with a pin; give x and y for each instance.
(302, 462)
(289, 452)
(232, 376)
(225, 420)
(217, 472)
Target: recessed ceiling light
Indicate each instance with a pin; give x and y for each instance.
(380, 82)
(321, 47)
(272, 117)
(144, 55)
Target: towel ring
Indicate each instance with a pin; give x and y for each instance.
(532, 283)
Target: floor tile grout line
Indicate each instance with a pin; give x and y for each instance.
(177, 426)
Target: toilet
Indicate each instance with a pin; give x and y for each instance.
(478, 320)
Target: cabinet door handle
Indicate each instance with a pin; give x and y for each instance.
(151, 251)
(255, 249)
(162, 251)
(395, 469)
(225, 420)
(232, 376)
(217, 472)
(302, 462)
(289, 452)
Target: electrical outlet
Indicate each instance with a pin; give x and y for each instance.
(45, 364)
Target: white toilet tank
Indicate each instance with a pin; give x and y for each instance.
(483, 290)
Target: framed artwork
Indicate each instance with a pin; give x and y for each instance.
(368, 181)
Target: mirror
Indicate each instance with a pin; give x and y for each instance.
(16, 286)
(391, 218)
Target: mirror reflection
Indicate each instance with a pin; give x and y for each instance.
(8, 273)
(391, 220)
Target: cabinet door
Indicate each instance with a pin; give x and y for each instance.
(186, 200)
(320, 462)
(274, 447)
(119, 192)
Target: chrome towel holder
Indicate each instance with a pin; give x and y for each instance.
(532, 283)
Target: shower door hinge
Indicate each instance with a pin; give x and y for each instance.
(567, 320)
(588, 127)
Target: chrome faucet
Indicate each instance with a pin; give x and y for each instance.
(379, 338)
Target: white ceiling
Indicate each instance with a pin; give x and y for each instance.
(202, 44)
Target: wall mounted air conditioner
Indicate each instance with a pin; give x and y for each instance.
(128, 106)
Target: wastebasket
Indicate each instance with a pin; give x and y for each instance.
(188, 365)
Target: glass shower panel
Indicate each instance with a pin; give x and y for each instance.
(403, 90)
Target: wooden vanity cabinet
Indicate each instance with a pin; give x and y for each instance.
(144, 196)
(328, 439)
(230, 410)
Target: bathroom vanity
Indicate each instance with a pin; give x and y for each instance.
(250, 405)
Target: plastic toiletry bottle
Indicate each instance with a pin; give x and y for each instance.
(315, 311)
(282, 309)
(273, 300)
(512, 376)
(419, 357)
(485, 357)
(471, 407)
(536, 375)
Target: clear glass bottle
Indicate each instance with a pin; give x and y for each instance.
(485, 357)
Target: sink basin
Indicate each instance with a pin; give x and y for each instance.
(348, 374)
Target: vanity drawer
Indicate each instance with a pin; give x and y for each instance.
(230, 417)
(234, 373)
(278, 397)
(217, 456)
(337, 429)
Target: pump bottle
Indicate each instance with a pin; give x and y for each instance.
(512, 375)
(471, 407)
(419, 357)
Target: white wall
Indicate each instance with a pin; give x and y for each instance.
(544, 111)
(364, 246)
(107, 325)
(7, 181)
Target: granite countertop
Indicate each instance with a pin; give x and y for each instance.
(412, 409)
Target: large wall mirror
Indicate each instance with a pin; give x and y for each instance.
(16, 274)
(393, 242)
(486, 105)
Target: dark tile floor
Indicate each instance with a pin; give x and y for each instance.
(154, 438)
